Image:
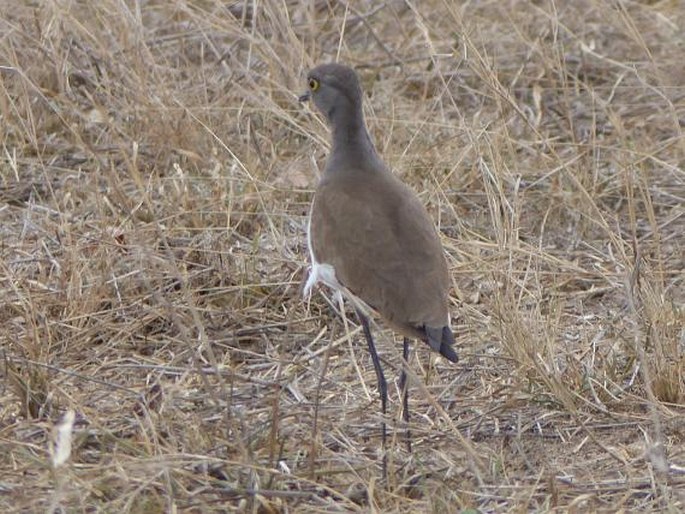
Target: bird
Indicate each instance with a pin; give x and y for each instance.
(370, 238)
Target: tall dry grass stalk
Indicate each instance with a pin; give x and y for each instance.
(155, 175)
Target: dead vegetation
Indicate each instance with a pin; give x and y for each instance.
(154, 181)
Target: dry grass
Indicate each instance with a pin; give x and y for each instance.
(154, 180)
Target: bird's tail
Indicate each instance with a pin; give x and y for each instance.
(442, 341)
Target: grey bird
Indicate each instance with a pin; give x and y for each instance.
(370, 237)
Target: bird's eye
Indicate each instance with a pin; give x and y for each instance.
(313, 84)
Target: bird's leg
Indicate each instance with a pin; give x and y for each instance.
(382, 385)
(404, 388)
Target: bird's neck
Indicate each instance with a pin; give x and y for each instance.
(352, 145)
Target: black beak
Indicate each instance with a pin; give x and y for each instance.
(304, 97)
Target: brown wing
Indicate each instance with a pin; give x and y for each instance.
(383, 246)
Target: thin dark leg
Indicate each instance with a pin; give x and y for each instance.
(382, 385)
(404, 387)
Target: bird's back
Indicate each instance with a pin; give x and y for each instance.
(375, 233)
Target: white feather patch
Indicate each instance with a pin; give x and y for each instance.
(323, 272)
(319, 272)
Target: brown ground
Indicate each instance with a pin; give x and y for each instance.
(155, 174)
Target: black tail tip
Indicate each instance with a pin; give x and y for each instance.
(442, 341)
(449, 353)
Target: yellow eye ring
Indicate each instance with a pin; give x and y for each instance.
(314, 84)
